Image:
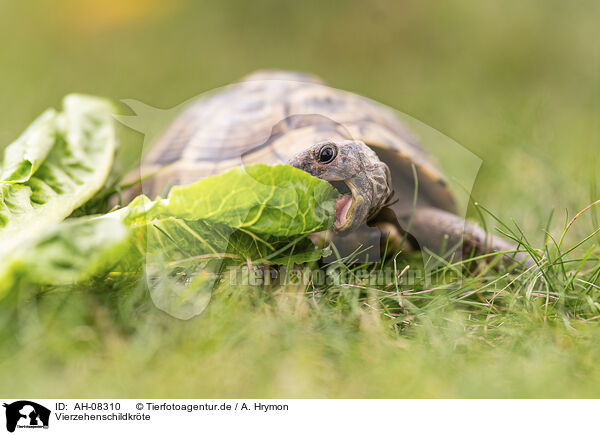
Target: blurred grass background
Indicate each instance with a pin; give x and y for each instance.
(515, 82)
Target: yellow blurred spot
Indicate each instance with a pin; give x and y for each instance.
(88, 16)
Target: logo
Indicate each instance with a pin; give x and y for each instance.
(24, 414)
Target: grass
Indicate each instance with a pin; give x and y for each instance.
(521, 92)
(492, 333)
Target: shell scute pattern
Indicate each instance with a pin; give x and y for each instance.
(271, 116)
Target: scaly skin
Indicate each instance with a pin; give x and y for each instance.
(359, 167)
(370, 183)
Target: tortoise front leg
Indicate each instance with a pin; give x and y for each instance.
(443, 232)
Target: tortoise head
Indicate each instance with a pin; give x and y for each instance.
(355, 170)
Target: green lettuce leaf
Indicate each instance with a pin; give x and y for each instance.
(42, 184)
(252, 213)
(66, 253)
(275, 200)
(257, 214)
(25, 155)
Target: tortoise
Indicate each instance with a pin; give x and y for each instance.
(358, 145)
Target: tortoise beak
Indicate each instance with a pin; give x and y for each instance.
(349, 209)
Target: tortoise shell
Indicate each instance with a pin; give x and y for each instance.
(268, 117)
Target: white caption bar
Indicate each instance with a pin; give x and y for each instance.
(43, 416)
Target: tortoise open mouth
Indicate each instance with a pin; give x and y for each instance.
(344, 205)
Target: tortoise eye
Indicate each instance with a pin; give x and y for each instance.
(327, 154)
